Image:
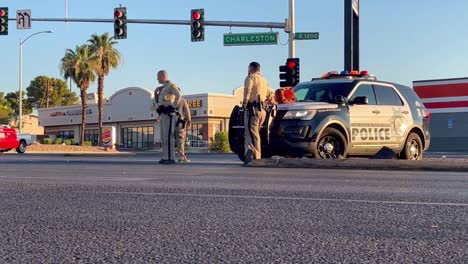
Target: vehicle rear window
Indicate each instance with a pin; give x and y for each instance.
(322, 92)
(387, 96)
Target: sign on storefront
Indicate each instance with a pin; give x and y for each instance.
(195, 103)
(108, 136)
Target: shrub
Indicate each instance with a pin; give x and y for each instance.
(220, 143)
(88, 144)
(47, 141)
(67, 142)
(58, 141)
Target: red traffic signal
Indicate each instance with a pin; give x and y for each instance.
(291, 64)
(118, 13)
(196, 15)
(2, 12)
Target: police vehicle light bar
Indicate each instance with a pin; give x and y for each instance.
(354, 73)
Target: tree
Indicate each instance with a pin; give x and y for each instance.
(59, 95)
(109, 57)
(5, 110)
(221, 142)
(13, 99)
(79, 65)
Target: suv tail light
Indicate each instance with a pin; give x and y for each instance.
(428, 115)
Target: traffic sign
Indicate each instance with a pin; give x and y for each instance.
(23, 19)
(244, 39)
(306, 35)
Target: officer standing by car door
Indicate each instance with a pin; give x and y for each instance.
(183, 123)
(256, 94)
(168, 99)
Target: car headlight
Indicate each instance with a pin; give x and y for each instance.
(300, 114)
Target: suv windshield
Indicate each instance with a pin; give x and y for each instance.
(322, 92)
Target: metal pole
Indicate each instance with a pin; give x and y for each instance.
(20, 87)
(292, 42)
(270, 25)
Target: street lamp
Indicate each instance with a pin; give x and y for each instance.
(21, 77)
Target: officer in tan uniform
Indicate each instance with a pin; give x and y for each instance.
(168, 98)
(256, 94)
(183, 123)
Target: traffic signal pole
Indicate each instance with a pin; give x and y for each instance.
(292, 24)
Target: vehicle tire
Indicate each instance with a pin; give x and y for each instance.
(331, 145)
(413, 149)
(22, 147)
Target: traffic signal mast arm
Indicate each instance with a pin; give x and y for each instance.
(167, 22)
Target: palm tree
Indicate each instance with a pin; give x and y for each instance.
(108, 57)
(79, 65)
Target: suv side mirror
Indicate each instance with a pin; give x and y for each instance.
(341, 100)
(360, 100)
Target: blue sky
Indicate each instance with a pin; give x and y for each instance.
(401, 41)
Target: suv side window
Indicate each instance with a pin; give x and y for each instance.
(365, 90)
(387, 96)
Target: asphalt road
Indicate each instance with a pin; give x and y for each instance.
(56, 209)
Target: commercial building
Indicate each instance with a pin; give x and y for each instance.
(132, 112)
(447, 102)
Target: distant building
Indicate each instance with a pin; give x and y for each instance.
(30, 124)
(447, 102)
(132, 111)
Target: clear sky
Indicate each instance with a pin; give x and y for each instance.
(401, 41)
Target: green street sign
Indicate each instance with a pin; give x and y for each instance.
(306, 35)
(243, 39)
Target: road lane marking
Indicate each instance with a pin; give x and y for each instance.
(287, 198)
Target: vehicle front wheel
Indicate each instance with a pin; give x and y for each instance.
(413, 149)
(331, 145)
(22, 147)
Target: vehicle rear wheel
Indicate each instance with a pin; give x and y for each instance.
(22, 147)
(331, 145)
(413, 149)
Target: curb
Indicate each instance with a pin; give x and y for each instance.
(364, 164)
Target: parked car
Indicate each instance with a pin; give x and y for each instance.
(8, 139)
(23, 139)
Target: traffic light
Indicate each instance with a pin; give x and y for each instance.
(120, 23)
(3, 20)
(289, 73)
(197, 17)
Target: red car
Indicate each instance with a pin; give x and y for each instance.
(8, 139)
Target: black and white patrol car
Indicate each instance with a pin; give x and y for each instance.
(341, 115)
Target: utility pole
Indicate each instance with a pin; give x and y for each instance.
(47, 94)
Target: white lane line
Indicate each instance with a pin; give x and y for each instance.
(287, 198)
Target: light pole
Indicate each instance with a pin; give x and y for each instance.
(20, 95)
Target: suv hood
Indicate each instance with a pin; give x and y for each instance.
(307, 106)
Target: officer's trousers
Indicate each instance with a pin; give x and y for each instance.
(167, 136)
(181, 135)
(253, 120)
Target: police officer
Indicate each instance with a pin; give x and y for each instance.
(168, 99)
(256, 94)
(183, 123)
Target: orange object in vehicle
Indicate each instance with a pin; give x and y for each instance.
(285, 95)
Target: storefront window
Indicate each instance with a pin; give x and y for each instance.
(137, 137)
(69, 134)
(92, 135)
(195, 132)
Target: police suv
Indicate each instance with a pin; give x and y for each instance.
(341, 115)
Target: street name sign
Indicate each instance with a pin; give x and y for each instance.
(306, 35)
(244, 39)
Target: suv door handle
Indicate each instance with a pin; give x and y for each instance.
(405, 112)
(376, 111)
